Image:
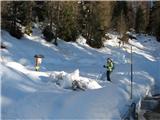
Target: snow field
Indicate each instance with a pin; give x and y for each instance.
(28, 94)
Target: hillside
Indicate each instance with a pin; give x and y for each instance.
(28, 94)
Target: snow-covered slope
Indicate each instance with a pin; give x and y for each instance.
(28, 94)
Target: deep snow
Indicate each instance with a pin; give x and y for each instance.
(27, 94)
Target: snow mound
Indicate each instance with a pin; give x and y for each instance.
(135, 43)
(17, 66)
(89, 83)
(65, 80)
(81, 40)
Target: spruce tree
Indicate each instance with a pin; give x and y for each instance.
(92, 23)
(139, 22)
(68, 24)
(155, 20)
(13, 18)
(39, 11)
(120, 12)
(27, 12)
(48, 30)
(121, 25)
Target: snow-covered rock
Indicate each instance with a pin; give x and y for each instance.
(65, 80)
(81, 40)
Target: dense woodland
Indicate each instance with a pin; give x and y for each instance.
(91, 19)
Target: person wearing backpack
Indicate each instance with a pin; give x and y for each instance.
(109, 66)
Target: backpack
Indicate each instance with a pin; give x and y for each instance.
(113, 65)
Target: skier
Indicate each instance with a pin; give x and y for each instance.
(110, 66)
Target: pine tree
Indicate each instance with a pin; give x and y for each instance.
(93, 21)
(39, 11)
(62, 19)
(140, 22)
(13, 18)
(4, 12)
(18, 13)
(68, 26)
(149, 26)
(122, 26)
(27, 12)
(119, 11)
(51, 22)
(156, 20)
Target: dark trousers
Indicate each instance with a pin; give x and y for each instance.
(108, 75)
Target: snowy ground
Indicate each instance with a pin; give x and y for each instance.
(27, 94)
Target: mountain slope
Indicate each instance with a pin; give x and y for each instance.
(30, 94)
